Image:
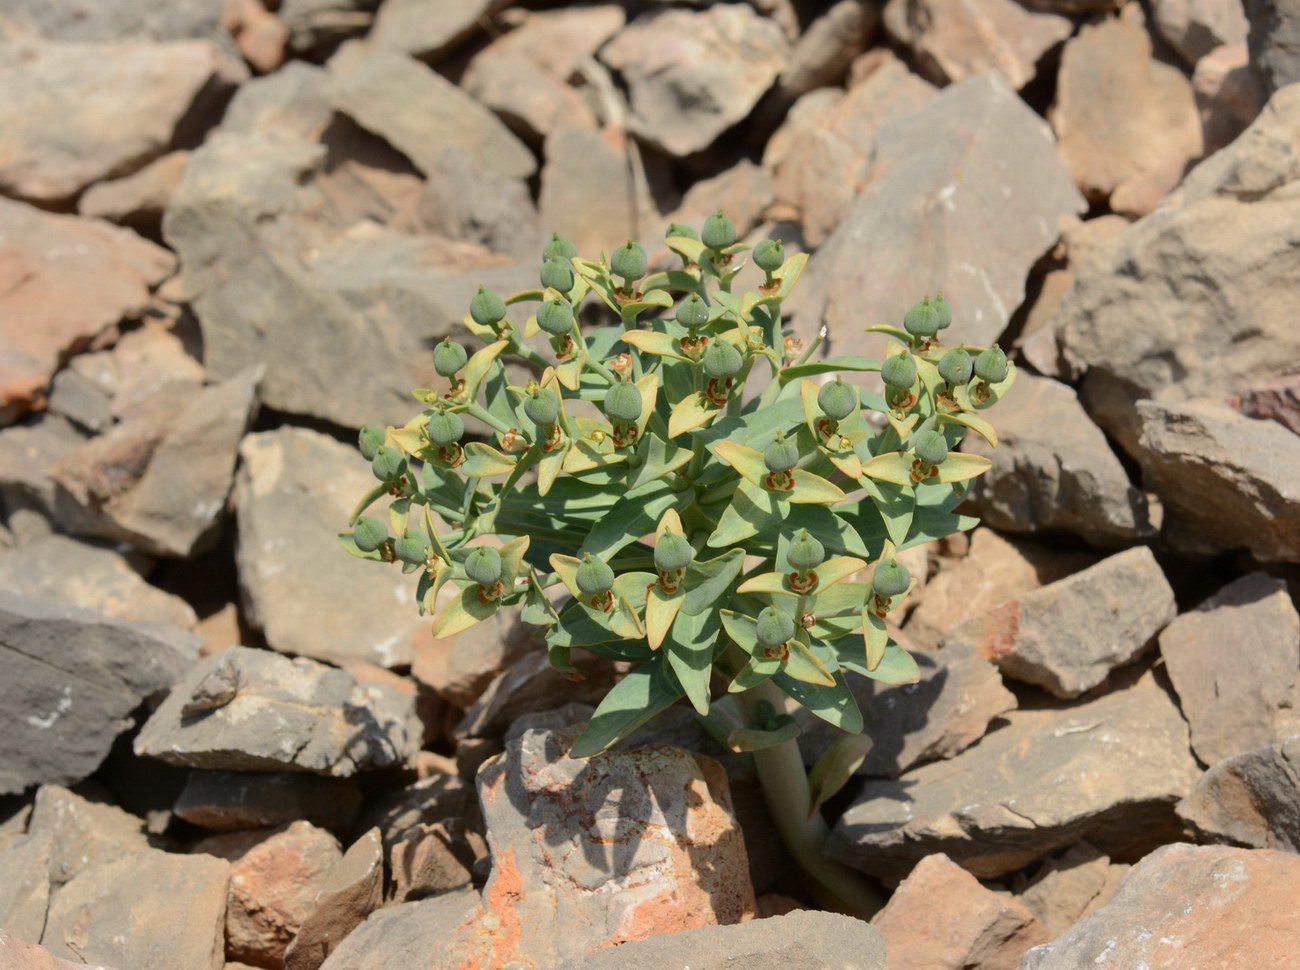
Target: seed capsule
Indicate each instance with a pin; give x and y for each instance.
(677, 229)
(446, 428)
(890, 578)
(594, 576)
(559, 247)
(719, 232)
(555, 317)
(483, 565)
(805, 552)
(412, 547)
(773, 627)
(487, 309)
(448, 358)
(721, 359)
(956, 366)
(837, 399)
(388, 464)
(922, 320)
(370, 441)
(769, 255)
(781, 455)
(558, 274)
(692, 311)
(542, 408)
(369, 534)
(623, 403)
(899, 371)
(930, 447)
(672, 551)
(991, 365)
(629, 261)
(945, 312)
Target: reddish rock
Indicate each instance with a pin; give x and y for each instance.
(1276, 400)
(1067, 888)
(461, 667)
(353, 889)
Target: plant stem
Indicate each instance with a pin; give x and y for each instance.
(785, 788)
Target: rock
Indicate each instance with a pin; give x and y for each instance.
(274, 880)
(318, 26)
(1234, 707)
(118, 106)
(427, 29)
(940, 213)
(1069, 887)
(291, 103)
(1108, 770)
(1108, 70)
(677, 855)
(139, 199)
(84, 832)
(27, 454)
(944, 713)
(1274, 38)
(142, 363)
(101, 22)
(151, 910)
(1276, 400)
(1067, 636)
(18, 955)
(432, 840)
(465, 202)
(524, 75)
(403, 935)
(1053, 471)
(80, 400)
(161, 481)
(1186, 906)
(806, 940)
(692, 74)
(352, 891)
(260, 34)
(743, 192)
(92, 577)
(822, 54)
(461, 667)
(1250, 799)
(256, 710)
(1226, 481)
(71, 678)
(941, 918)
(1195, 27)
(235, 800)
(1227, 94)
(25, 892)
(63, 282)
(953, 40)
(420, 112)
(287, 525)
(1205, 332)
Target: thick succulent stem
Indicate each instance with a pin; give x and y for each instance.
(785, 787)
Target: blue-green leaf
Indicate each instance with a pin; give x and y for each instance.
(635, 699)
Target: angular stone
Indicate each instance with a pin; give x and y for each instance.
(1234, 706)
(148, 911)
(461, 667)
(1226, 481)
(692, 74)
(70, 679)
(234, 800)
(1227, 94)
(63, 281)
(245, 709)
(953, 40)
(1067, 888)
(743, 192)
(1250, 799)
(1274, 39)
(427, 29)
(85, 832)
(1188, 906)
(25, 890)
(465, 202)
(1106, 71)
(1276, 400)
(139, 199)
(1053, 471)
(1109, 770)
(1207, 274)
(419, 112)
(318, 26)
(1069, 635)
(100, 22)
(939, 213)
(72, 114)
(292, 571)
(941, 918)
(405, 935)
(291, 102)
(80, 400)
(1196, 27)
(823, 53)
(19, 955)
(353, 890)
(141, 363)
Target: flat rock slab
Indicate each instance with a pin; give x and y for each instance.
(405, 935)
(235, 800)
(1189, 906)
(246, 709)
(25, 890)
(1250, 799)
(1109, 770)
(352, 890)
(84, 832)
(429, 28)
(1069, 635)
(1068, 887)
(70, 679)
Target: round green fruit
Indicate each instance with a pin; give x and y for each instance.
(413, 548)
(594, 576)
(558, 274)
(922, 320)
(805, 552)
(623, 403)
(369, 534)
(446, 428)
(837, 399)
(559, 247)
(721, 359)
(486, 308)
(692, 311)
(370, 441)
(781, 455)
(448, 358)
(769, 255)
(672, 551)
(483, 565)
(991, 365)
(719, 232)
(956, 367)
(388, 463)
(899, 371)
(890, 578)
(773, 627)
(555, 317)
(542, 408)
(931, 447)
(629, 261)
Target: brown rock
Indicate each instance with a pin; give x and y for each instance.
(140, 364)
(428, 29)
(1188, 906)
(260, 34)
(465, 202)
(824, 51)
(25, 890)
(941, 918)
(1107, 71)
(18, 955)
(233, 800)
(1274, 39)
(431, 837)
(353, 889)
(139, 199)
(292, 101)
(1250, 799)
(1196, 27)
(1069, 887)
(1227, 94)
(1276, 400)
(85, 832)
(404, 935)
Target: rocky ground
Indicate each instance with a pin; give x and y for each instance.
(230, 234)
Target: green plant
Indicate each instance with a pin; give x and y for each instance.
(643, 508)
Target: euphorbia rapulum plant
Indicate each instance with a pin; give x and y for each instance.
(636, 503)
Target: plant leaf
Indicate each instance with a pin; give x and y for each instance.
(484, 461)
(690, 654)
(692, 411)
(660, 610)
(462, 613)
(838, 762)
(635, 699)
(803, 665)
(706, 582)
(959, 466)
(835, 705)
(893, 466)
(755, 739)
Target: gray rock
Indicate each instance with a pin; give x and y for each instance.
(317, 26)
(822, 54)
(353, 890)
(691, 75)
(428, 29)
(1226, 481)
(464, 201)
(940, 213)
(75, 20)
(300, 588)
(1068, 887)
(1053, 470)
(148, 911)
(1234, 707)
(70, 678)
(1109, 770)
(139, 199)
(85, 832)
(403, 935)
(291, 103)
(1250, 799)
(420, 113)
(27, 454)
(1069, 635)
(28, 956)
(1274, 39)
(1196, 27)
(803, 940)
(1188, 906)
(25, 890)
(235, 800)
(80, 400)
(431, 833)
(1227, 94)
(245, 709)
(1208, 275)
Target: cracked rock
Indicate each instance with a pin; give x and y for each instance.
(1250, 799)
